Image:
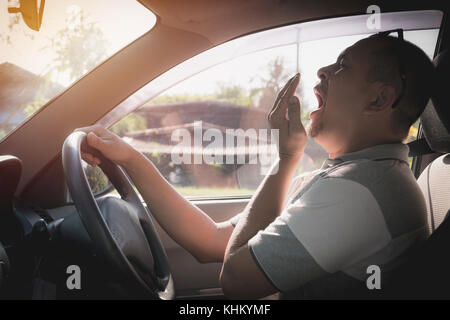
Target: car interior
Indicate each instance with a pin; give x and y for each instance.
(217, 62)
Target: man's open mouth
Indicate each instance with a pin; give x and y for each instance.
(320, 99)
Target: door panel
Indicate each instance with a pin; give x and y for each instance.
(192, 278)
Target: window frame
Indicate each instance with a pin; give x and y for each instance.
(296, 33)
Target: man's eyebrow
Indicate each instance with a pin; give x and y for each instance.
(343, 55)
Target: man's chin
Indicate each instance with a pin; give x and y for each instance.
(315, 128)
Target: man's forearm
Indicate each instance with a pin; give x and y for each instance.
(184, 222)
(269, 199)
(266, 204)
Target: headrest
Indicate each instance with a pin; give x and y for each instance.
(436, 117)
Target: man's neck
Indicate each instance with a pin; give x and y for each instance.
(358, 144)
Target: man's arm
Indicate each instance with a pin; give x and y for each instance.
(184, 222)
(187, 224)
(240, 276)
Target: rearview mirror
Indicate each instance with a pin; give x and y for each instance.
(32, 11)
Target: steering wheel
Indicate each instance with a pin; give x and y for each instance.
(121, 230)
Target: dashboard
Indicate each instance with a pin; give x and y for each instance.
(37, 245)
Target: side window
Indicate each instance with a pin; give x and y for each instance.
(413, 132)
(207, 132)
(412, 135)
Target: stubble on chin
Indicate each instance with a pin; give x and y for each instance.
(314, 129)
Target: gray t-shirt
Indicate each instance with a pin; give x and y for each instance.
(363, 208)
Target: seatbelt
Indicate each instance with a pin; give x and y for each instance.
(419, 147)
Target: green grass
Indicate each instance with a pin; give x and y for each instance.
(213, 192)
(208, 192)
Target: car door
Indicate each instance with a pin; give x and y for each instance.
(204, 122)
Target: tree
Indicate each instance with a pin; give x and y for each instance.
(278, 75)
(96, 179)
(233, 94)
(262, 96)
(131, 122)
(15, 28)
(79, 47)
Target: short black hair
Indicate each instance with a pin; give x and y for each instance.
(409, 70)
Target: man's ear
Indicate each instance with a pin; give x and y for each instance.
(383, 98)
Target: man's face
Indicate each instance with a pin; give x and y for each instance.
(342, 94)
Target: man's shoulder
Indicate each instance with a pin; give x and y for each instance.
(374, 174)
(332, 190)
(394, 187)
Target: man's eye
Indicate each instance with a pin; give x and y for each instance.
(341, 66)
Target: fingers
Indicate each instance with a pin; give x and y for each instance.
(287, 86)
(294, 113)
(97, 129)
(95, 141)
(280, 109)
(95, 135)
(93, 161)
(282, 93)
(292, 87)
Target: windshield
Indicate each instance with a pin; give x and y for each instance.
(75, 37)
